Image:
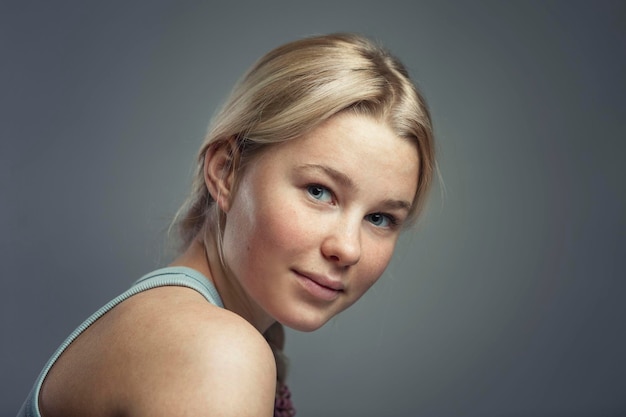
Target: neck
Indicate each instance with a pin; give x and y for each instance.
(203, 256)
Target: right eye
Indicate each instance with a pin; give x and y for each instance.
(319, 192)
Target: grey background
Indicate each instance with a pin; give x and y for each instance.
(507, 300)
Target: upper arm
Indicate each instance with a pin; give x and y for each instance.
(216, 365)
(241, 375)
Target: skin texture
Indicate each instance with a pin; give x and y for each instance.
(164, 352)
(308, 231)
(303, 210)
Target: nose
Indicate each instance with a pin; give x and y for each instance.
(342, 244)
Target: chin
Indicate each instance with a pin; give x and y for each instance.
(305, 323)
(304, 327)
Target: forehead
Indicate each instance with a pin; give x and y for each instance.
(366, 151)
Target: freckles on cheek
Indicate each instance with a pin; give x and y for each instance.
(379, 261)
(283, 227)
(285, 234)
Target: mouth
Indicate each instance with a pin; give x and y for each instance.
(320, 286)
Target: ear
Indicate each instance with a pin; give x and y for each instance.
(219, 171)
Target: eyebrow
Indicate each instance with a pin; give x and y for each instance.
(338, 176)
(346, 181)
(391, 204)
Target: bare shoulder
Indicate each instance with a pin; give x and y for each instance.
(192, 358)
(167, 351)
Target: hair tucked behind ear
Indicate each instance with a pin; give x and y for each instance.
(293, 89)
(297, 86)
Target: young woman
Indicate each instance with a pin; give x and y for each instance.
(320, 157)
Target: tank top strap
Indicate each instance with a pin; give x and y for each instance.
(179, 276)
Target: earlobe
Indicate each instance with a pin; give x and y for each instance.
(219, 171)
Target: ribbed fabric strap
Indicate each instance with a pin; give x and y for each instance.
(172, 276)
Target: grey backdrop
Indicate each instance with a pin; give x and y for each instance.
(507, 300)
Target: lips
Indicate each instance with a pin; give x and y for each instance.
(320, 286)
(324, 281)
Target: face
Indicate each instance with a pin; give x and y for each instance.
(314, 221)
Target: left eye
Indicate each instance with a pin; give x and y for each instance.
(380, 220)
(320, 193)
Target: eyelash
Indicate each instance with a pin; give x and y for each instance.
(322, 188)
(392, 220)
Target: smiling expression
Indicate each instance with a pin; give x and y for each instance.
(314, 221)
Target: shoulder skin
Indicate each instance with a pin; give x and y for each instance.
(164, 352)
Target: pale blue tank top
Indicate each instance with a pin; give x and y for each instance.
(173, 276)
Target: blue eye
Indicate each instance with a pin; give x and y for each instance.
(320, 193)
(381, 220)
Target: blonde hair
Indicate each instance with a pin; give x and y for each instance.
(294, 88)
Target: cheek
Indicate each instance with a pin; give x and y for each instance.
(276, 229)
(375, 260)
